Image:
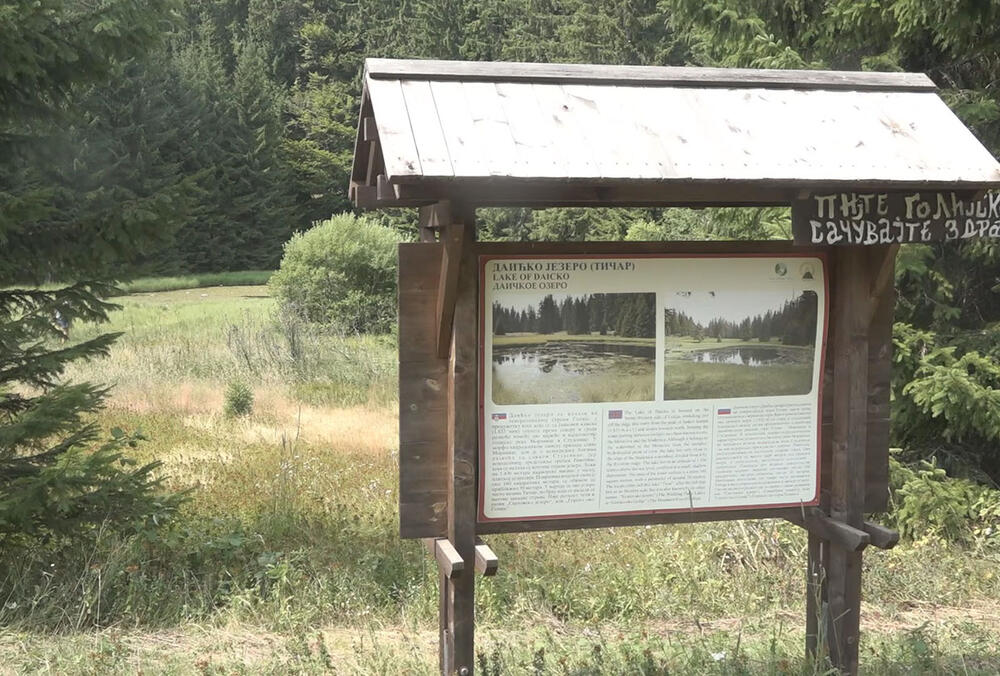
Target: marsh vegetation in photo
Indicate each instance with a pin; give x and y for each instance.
(569, 349)
(731, 344)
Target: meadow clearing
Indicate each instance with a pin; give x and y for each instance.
(286, 559)
(706, 369)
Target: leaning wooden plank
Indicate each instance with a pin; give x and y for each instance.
(451, 251)
(486, 561)
(395, 136)
(469, 71)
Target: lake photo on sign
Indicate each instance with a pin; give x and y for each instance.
(739, 344)
(558, 349)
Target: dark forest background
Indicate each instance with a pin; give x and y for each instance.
(197, 135)
(794, 323)
(630, 315)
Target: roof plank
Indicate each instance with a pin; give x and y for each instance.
(676, 76)
(392, 119)
(425, 123)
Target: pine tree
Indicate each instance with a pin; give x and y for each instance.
(78, 204)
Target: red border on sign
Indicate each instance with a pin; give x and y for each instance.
(481, 474)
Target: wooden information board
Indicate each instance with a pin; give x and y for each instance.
(423, 374)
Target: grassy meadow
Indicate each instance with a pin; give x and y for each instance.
(688, 379)
(286, 559)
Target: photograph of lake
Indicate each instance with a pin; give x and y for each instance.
(739, 344)
(560, 349)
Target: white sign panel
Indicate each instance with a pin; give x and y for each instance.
(643, 384)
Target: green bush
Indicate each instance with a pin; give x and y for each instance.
(341, 273)
(926, 503)
(239, 399)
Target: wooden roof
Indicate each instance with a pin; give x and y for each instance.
(548, 134)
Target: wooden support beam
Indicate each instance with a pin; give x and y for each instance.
(852, 302)
(369, 129)
(452, 240)
(831, 530)
(486, 561)
(424, 218)
(884, 277)
(459, 594)
(386, 191)
(448, 560)
(881, 537)
(373, 162)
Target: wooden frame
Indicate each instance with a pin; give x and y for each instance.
(439, 422)
(421, 144)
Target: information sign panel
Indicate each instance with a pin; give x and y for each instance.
(630, 384)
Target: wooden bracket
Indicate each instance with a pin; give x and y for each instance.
(882, 537)
(831, 530)
(448, 559)
(369, 129)
(452, 238)
(486, 561)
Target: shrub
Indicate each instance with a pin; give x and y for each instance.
(927, 503)
(342, 273)
(239, 399)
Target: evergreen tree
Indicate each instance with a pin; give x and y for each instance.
(82, 196)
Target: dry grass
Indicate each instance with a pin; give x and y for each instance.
(287, 559)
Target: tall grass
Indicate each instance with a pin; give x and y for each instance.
(197, 281)
(288, 560)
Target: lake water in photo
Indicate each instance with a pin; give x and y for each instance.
(708, 370)
(749, 356)
(570, 371)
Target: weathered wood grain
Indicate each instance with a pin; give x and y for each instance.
(467, 71)
(448, 560)
(463, 446)
(399, 151)
(425, 122)
(423, 390)
(487, 562)
(850, 418)
(451, 243)
(779, 138)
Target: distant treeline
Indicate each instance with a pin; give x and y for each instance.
(622, 314)
(793, 324)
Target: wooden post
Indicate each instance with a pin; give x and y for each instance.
(458, 594)
(852, 285)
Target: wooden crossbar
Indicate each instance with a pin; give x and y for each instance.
(486, 561)
(448, 559)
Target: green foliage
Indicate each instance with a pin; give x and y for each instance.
(83, 193)
(928, 504)
(196, 281)
(239, 400)
(341, 272)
